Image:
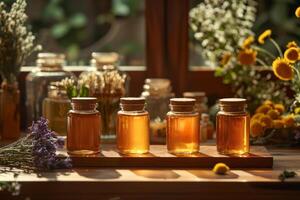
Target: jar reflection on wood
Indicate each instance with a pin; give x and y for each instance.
(84, 126)
(108, 84)
(49, 68)
(133, 126)
(233, 127)
(182, 127)
(201, 101)
(9, 111)
(56, 107)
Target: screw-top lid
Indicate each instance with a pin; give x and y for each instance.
(50, 61)
(182, 104)
(132, 103)
(100, 59)
(233, 104)
(84, 103)
(199, 96)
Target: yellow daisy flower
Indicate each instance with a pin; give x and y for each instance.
(256, 128)
(262, 37)
(292, 54)
(291, 44)
(282, 69)
(247, 57)
(266, 120)
(225, 58)
(274, 114)
(263, 109)
(257, 116)
(221, 168)
(269, 103)
(279, 107)
(288, 120)
(247, 42)
(278, 123)
(297, 12)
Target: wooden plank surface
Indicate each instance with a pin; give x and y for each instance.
(159, 157)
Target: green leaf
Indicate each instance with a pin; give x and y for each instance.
(84, 91)
(78, 20)
(60, 30)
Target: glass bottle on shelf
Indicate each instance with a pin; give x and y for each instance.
(157, 93)
(133, 126)
(201, 101)
(49, 68)
(232, 127)
(203, 127)
(108, 84)
(84, 126)
(183, 126)
(56, 107)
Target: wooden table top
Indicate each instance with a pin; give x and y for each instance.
(136, 182)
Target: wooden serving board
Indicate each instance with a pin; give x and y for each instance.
(159, 157)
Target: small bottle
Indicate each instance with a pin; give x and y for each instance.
(182, 127)
(201, 101)
(232, 127)
(56, 107)
(204, 127)
(84, 126)
(133, 126)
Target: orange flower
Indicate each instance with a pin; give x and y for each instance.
(291, 44)
(257, 128)
(279, 107)
(297, 12)
(292, 54)
(267, 121)
(282, 69)
(247, 57)
(274, 114)
(262, 37)
(263, 109)
(247, 42)
(288, 121)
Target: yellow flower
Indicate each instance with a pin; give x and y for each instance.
(278, 123)
(269, 103)
(292, 54)
(263, 109)
(225, 58)
(297, 110)
(266, 120)
(282, 69)
(291, 44)
(256, 128)
(262, 37)
(297, 12)
(221, 168)
(279, 107)
(288, 120)
(257, 116)
(247, 57)
(274, 114)
(247, 42)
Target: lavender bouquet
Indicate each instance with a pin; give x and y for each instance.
(36, 151)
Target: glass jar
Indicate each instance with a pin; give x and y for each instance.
(49, 68)
(232, 127)
(182, 126)
(107, 84)
(201, 101)
(56, 107)
(84, 126)
(133, 126)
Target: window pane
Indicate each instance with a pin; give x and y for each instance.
(80, 27)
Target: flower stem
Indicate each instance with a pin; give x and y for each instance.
(262, 62)
(277, 47)
(263, 51)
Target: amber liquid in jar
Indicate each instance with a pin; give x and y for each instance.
(233, 127)
(182, 127)
(84, 127)
(133, 127)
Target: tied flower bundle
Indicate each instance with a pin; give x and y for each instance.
(36, 151)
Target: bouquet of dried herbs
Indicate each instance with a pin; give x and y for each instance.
(16, 42)
(36, 151)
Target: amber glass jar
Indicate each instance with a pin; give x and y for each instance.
(183, 126)
(132, 126)
(232, 127)
(84, 126)
(56, 107)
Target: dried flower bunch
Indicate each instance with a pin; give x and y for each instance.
(36, 151)
(228, 41)
(16, 42)
(222, 25)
